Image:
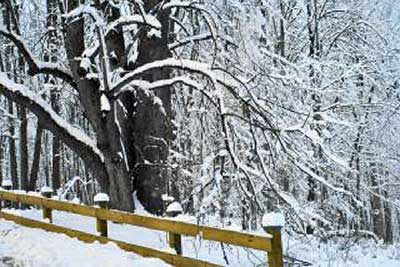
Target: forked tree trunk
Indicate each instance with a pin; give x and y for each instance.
(134, 144)
(114, 179)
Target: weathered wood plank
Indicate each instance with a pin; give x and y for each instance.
(167, 225)
(172, 259)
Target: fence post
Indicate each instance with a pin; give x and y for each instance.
(272, 224)
(47, 214)
(7, 185)
(101, 199)
(174, 240)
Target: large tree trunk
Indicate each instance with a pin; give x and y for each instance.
(113, 122)
(153, 137)
(116, 180)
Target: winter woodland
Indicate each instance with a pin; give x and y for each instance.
(233, 108)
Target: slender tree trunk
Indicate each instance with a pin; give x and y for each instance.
(22, 113)
(23, 145)
(11, 140)
(56, 174)
(46, 158)
(36, 158)
(1, 158)
(52, 45)
(388, 223)
(312, 194)
(12, 149)
(378, 212)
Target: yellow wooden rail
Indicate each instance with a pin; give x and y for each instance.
(268, 243)
(89, 238)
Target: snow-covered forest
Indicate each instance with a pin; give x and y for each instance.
(233, 108)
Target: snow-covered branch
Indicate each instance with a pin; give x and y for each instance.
(36, 66)
(77, 140)
(184, 65)
(147, 20)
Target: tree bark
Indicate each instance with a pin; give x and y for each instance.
(117, 181)
(378, 212)
(11, 139)
(23, 144)
(50, 56)
(36, 158)
(1, 158)
(12, 148)
(153, 137)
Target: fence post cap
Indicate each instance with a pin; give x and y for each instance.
(76, 200)
(46, 190)
(167, 198)
(101, 197)
(273, 219)
(6, 184)
(174, 209)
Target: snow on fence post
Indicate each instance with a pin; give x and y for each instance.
(272, 224)
(6, 185)
(174, 240)
(47, 214)
(101, 199)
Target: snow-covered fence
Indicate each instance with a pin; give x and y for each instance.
(101, 200)
(270, 243)
(47, 192)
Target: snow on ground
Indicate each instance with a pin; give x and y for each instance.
(195, 248)
(25, 247)
(342, 253)
(36, 248)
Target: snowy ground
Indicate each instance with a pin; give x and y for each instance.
(342, 253)
(25, 247)
(37, 248)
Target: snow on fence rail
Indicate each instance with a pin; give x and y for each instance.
(270, 243)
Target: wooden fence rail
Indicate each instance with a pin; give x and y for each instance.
(270, 243)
